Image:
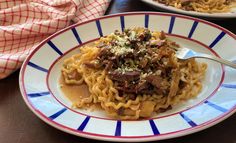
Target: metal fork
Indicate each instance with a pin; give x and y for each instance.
(185, 53)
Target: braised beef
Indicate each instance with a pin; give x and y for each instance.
(137, 64)
(141, 86)
(92, 65)
(154, 80)
(126, 76)
(143, 63)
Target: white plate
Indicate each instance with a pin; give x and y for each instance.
(40, 73)
(157, 5)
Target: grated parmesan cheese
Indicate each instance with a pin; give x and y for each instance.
(121, 47)
(121, 50)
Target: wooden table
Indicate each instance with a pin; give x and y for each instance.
(19, 125)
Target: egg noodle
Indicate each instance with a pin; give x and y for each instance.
(159, 84)
(205, 6)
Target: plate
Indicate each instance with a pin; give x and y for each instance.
(192, 13)
(40, 73)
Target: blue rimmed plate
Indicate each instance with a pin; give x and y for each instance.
(40, 74)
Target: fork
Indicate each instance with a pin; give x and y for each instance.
(185, 53)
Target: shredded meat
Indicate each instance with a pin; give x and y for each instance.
(137, 63)
(174, 83)
(127, 76)
(142, 85)
(154, 80)
(92, 65)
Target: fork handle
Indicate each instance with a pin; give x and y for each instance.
(220, 60)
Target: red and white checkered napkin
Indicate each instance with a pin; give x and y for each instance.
(25, 23)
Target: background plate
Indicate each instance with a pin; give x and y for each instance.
(193, 13)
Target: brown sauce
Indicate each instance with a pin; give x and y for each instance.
(77, 92)
(74, 92)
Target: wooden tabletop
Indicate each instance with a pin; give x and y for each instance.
(19, 125)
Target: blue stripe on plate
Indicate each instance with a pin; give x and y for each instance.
(172, 21)
(118, 128)
(54, 47)
(122, 22)
(38, 94)
(76, 35)
(154, 127)
(186, 118)
(54, 116)
(99, 28)
(216, 106)
(37, 67)
(193, 29)
(84, 123)
(146, 20)
(229, 86)
(218, 38)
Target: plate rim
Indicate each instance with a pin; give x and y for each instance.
(123, 138)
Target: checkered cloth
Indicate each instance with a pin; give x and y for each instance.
(25, 23)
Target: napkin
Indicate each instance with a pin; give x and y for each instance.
(25, 23)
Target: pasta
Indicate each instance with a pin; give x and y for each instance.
(133, 74)
(205, 6)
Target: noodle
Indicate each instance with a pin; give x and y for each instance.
(204, 6)
(133, 89)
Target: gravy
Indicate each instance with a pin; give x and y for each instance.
(74, 92)
(77, 92)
